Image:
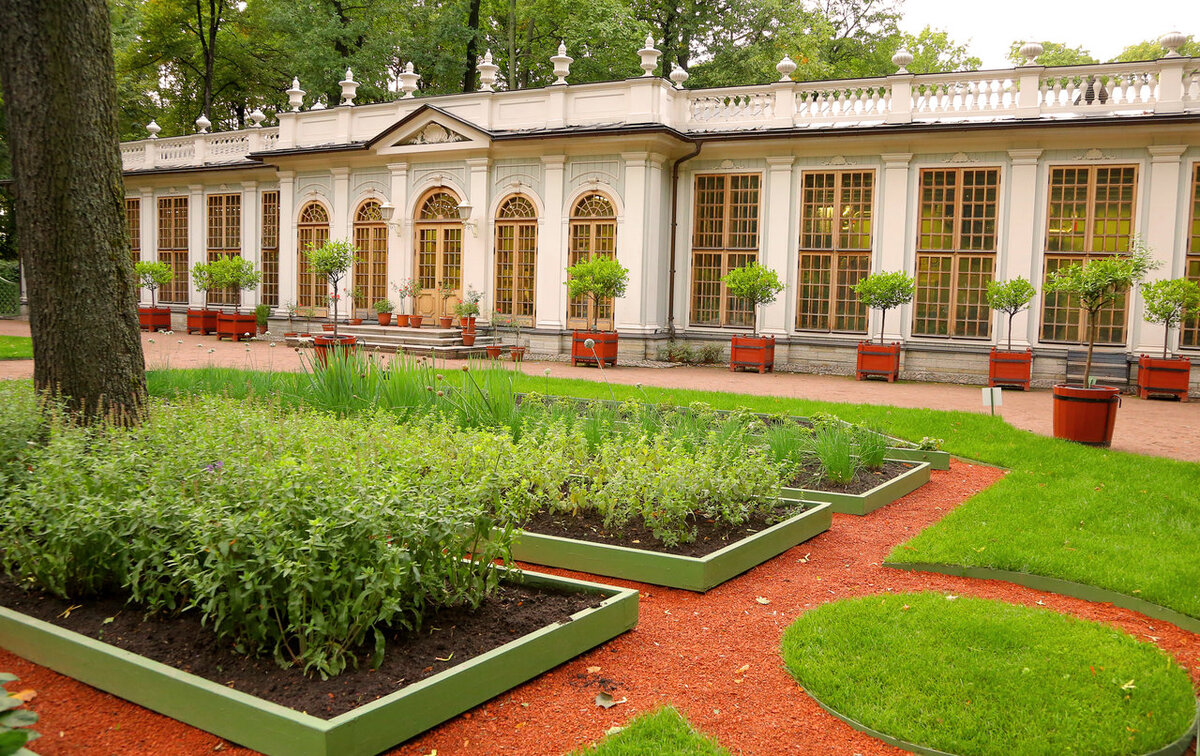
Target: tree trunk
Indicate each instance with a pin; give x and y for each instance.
(1087, 366)
(472, 47)
(512, 44)
(1010, 319)
(60, 92)
(882, 322)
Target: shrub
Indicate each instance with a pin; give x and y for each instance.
(598, 279)
(1170, 302)
(754, 283)
(1010, 297)
(152, 275)
(14, 720)
(883, 291)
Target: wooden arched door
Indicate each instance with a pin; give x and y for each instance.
(593, 234)
(370, 272)
(439, 244)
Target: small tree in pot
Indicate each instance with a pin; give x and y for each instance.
(759, 286)
(1169, 303)
(152, 276)
(330, 261)
(204, 320)
(237, 274)
(1085, 413)
(1009, 368)
(882, 291)
(599, 279)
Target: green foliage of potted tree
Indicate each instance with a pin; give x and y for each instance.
(1087, 413)
(599, 279)
(1168, 302)
(1006, 367)
(881, 291)
(468, 308)
(289, 307)
(757, 285)
(357, 297)
(262, 317)
(331, 261)
(236, 274)
(383, 310)
(152, 276)
(446, 290)
(202, 321)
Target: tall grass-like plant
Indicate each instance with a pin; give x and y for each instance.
(1010, 297)
(833, 444)
(884, 291)
(1171, 302)
(870, 447)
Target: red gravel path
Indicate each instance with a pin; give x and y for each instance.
(714, 656)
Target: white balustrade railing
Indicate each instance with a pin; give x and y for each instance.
(177, 150)
(963, 94)
(730, 108)
(197, 149)
(1109, 88)
(133, 155)
(861, 99)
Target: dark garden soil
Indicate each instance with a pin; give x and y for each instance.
(864, 480)
(711, 535)
(449, 637)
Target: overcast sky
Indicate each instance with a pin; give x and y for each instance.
(1103, 27)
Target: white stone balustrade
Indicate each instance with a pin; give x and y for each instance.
(1168, 85)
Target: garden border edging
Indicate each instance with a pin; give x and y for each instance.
(368, 729)
(864, 503)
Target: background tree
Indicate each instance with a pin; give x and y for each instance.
(1152, 50)
(1053, 54)
(60, 93)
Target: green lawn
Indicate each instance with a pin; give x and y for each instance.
(16, 348)
(1123, 522)
(985, 678)
(663, 732)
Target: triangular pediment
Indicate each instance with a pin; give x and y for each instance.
(429, 129)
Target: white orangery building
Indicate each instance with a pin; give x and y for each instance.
(957, 179)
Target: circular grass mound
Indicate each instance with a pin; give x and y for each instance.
(972, 677)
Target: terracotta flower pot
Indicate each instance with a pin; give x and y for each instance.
(877, 361)
(517, 353)
(415, 320)
(1010, 369)
(445, 322)
(495, 350)
(752, 353)
(327, 326)
(603, 349)
(467, 323)
(236, 326)
(402, 321)
(1164, 376)
(202, 322)
(1085, 415)
(154, 318)
(468, 338)
(323, 345)
(385, 318)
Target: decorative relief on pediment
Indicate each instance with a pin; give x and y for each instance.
(435, 133)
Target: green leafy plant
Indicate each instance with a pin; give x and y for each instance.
(331, 261)
(446, 290)
(235, 273)
(14, 720)
(384, 306)
(870, 447)
(833, 444)
(755, 284)
(152, 275)
(469, 306)
(1010, 297)
(202, 280)
(883, 291)
(1099, 283)
(262, 315)
(597, 279)
(1170, 302)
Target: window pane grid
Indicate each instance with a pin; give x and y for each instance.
(224, 239)
(370, 237)
(726, 220)
(516, 259)
(1064, 320)
(596, 238)
(850, 314)
(1190, 330)
(312, 230)
(133, 225)
(1190, 336)
(270, 249)
(173, 247)
(835, 214)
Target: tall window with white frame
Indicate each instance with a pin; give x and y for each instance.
(835, 250)
(269, 288)
(1089, 215)
(724, 237)
(516, 258)
(224, 239)
(1190, 333)
(956, 252)
(311, 230)
(439, 250)
(593, 234)
(173, 247)
(133, 224)
(370, 236)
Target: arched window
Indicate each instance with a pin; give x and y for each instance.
(593, 234)
(438, 265)
(370, 236)
(311, 230)
(516, 258)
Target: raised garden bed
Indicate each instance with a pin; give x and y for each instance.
(674, 570)
(368, 729)
(896, 479)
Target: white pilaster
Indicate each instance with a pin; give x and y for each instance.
(776, 241)
(197, 239)
(893, 235)
(287, 238)
(476, 239)
(1019, 257)
(148, 214)
(252, 237)
(552, 251)
(1158, 229)
(399, 243)
(629, 311)
(340, 220)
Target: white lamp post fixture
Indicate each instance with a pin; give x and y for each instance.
(464, 215)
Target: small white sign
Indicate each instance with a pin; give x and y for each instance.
(993, 396)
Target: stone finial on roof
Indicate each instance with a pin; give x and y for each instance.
(487, 73)
(649, 56)
(1172, 41)
(785, 68)
(153, 128)
(408, 81)
(1030, 52)
(295, 95)
(902, 58)
(349, 88)
(202, 124)
(256, 118)
(562, 64)
(678, 75)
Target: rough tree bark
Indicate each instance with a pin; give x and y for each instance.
(472, 47)
(60, 93)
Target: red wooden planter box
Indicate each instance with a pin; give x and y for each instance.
(323, 344)
(202, 322)
(605, 346)
(752, 353)
(1085, 415)
(877, 361)
(1010, 369)
(1167, 377)
(154, 318)
(236, 326)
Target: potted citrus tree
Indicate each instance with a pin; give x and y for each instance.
(881, 291)
(446, 290)
(330, 261)
(1168, 302)
(236, 274)
(383, 310)
(600, 280)
(262, 317)
(1087, 413)
(1007, 367)
(152, 276)
(408, 289)
(757, 285)
(357, 297)
(202, 321)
